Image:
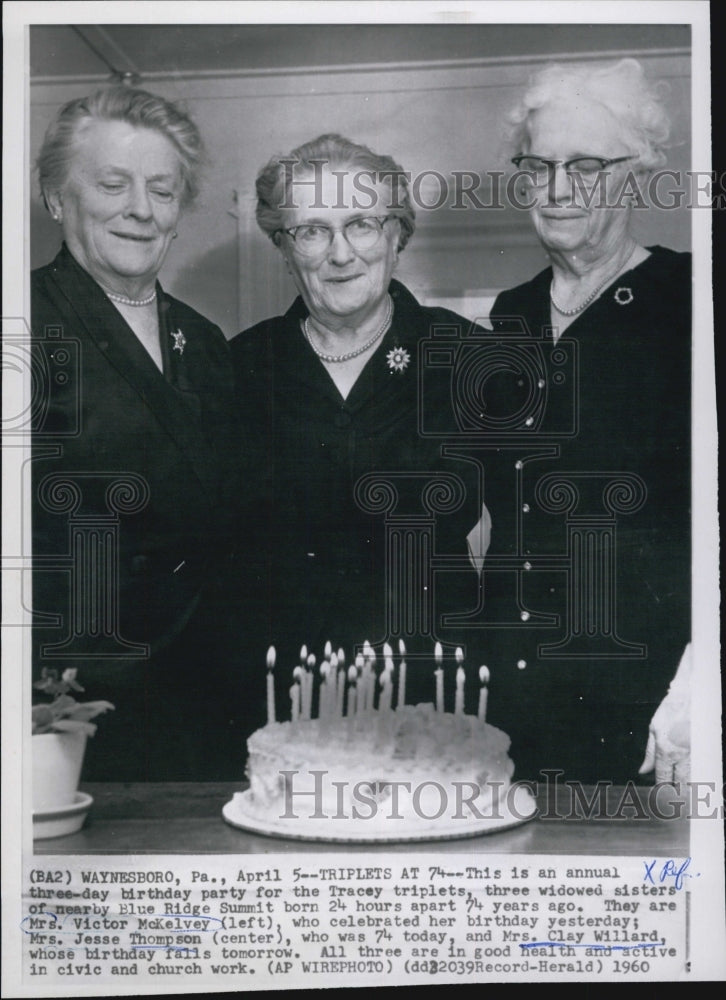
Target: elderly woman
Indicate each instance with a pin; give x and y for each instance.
(616, 405)
(132, 472)
(331, 390)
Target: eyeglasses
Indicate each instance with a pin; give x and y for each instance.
(586, 167)
(315, 238)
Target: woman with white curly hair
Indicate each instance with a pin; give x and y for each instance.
(586, 139)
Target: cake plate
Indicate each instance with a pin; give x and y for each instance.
(516, 807)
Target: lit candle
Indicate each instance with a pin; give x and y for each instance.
(352, 677)
(439, 675)
(384, 700)
(386, 686)
(459, 701)
(271, 656)
(328, 650)
(333, 681)
(295, 702)
(323, 695)
(307, 693)
(359, 667)
(402, 673)
(484, 678)
(295, 692)
(340, 691)
(460, 678)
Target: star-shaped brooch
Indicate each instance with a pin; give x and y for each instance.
(623, 296)
(179, 341)
(398, 359)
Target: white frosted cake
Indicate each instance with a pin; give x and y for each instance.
(414, 763)
(374, 772)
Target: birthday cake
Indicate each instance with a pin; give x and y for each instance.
(365, 770)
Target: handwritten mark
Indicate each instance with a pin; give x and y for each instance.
(669, 870)
(598, 947)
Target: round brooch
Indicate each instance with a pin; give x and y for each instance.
(623, 296)
(398, 359)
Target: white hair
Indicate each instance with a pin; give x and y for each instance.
(621, 87)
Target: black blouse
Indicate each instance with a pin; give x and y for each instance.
(317, 560)
(613, 500)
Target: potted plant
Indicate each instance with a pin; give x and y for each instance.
(60, 729)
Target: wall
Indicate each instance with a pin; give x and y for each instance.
(440, 117)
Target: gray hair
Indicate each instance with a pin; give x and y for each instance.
(274, 181)
(125, 104)
(621, 87)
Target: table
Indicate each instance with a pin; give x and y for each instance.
(186, 818)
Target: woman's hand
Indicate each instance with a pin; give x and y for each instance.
(669, 738)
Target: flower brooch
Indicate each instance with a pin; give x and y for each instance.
(398, 359)
(623, 296)
(179, 341)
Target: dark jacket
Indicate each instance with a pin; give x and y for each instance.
(134, 474)
(592, 539)
(327, 559)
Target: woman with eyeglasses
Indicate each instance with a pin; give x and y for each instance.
(330, 390)
(612, 319)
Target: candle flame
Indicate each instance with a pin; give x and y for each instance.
(341, 656)
(334, 661)
(387, 651)
(311, 660)
(328, 649)
(401, 647)
(359, 661)
(297, 672)
(271, 657)
(459, 654)
(484, 674)
(438, 652)
(352, 674)
(303, 653)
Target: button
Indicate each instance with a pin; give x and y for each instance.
(529, 421)
(521, 664)
(342, 419)
(528, 565)
(525, 508)
(524, 616)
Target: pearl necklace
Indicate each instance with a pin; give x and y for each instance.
(131, 302)
(593, 295)
(337, 358)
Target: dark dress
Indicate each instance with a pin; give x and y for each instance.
(590, 504)
(326, 548)
(134, 475)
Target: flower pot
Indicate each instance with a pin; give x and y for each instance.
(57, 763)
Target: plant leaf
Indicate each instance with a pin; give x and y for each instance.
(89, 709)
(42, 718)
(74, 726)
